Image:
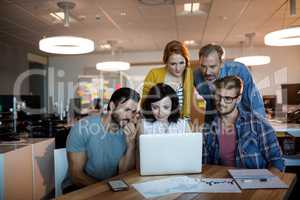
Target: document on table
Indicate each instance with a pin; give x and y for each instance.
(256, 178)
(183, 184)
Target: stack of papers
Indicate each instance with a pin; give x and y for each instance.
(183, 184)
(256, 178)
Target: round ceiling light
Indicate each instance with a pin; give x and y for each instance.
(253, 60)
(284, 37)
(66, 45)
(113, 66)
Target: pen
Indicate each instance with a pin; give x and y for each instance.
(251, 180)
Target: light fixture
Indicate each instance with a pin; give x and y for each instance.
(66, 6)
(189, 42)
(60, 16)
(123, 13)
(285, 37)
(187, 7)
(66, 44)
(113, 66)
(105, 46)
(57, 16)
(191, 7)
(252, 60)
(109, 45)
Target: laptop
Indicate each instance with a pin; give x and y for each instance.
(170, 153)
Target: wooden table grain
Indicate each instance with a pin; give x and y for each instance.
(102, 191)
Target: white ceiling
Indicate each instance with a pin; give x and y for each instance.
(144, 27)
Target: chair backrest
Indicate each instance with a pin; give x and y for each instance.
(60, 169)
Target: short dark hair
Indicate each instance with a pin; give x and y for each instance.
(209, 48)
(230, 82)
(157, 93)
(122, 95)
(178, 48)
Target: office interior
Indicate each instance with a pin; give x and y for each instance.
(42, 95)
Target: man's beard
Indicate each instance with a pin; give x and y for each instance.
(210, 78)
(115, 118)
(228, 112)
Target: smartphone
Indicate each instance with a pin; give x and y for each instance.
(118, 185)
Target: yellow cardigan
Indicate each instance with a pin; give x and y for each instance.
(158, 75)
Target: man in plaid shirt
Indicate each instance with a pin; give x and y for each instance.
(241, 139)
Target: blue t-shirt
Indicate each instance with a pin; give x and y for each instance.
(104, 150)
(251, 98)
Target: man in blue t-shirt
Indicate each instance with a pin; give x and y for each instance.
(211, 68)
(101, 147)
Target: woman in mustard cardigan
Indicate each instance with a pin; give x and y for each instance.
(176, 73)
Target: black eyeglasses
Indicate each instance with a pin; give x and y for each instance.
(227, 99)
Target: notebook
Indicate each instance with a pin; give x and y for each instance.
(256, 178)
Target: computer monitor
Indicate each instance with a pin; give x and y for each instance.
(291, 94)
(31, 101)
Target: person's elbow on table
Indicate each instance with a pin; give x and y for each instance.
(76, 169)
(127, 162)
(277, 165)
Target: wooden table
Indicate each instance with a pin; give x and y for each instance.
(102, 191)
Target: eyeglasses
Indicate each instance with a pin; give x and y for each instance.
(227, 99)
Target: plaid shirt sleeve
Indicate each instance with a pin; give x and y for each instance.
(205, 154)
(270, 147)
(210, 145)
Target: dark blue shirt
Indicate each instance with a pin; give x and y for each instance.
(251, 98)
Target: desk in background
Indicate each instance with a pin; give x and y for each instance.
(102, 191)
(290, 132)
(27, 169)
(291, 129)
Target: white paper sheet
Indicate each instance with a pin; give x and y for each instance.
(183, 184)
